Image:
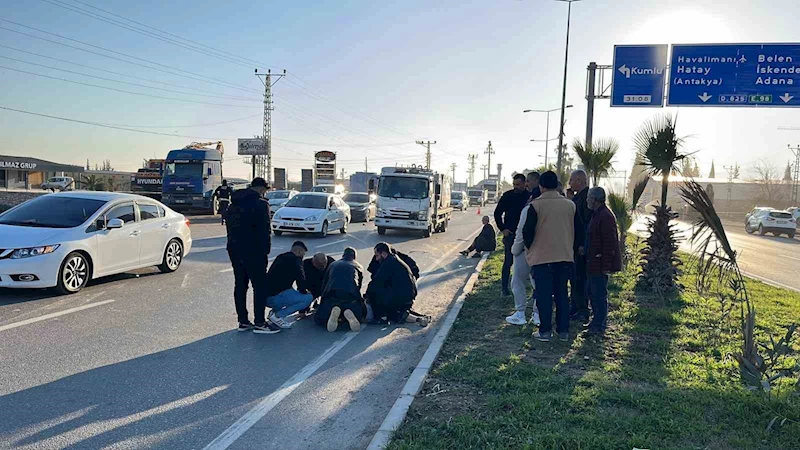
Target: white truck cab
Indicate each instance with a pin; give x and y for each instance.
(412, 198)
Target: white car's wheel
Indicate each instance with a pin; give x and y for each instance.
(324, 231)
(173, 256)
(74, 274)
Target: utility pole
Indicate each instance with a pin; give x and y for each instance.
(453, 168)
(342, 177)
(489, 151)
(428, 153)
(564, 89)
(471, 170)
(267, 128)
(731, 174)
(592, 74)
(366, 166)
(796, 172)
(485, 171)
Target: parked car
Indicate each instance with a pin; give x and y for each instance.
(795, 213)
(279, 198)
(312, 212)
(771, 221)
(459, 200)
(362, 206)
(59, 184)
(755, 210)
(63, 240)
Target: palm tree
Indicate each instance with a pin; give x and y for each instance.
(91, 183)
(111, 185)
(659, 151)
(596, 156)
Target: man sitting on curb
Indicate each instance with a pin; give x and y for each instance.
(341, 294)
(485, 242)
(283, 299)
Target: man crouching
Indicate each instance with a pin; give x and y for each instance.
(341, 293)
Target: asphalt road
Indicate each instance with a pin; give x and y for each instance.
(150, 360)
(775, 260)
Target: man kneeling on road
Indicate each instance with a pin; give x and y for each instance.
(375, 264)
(485, 242)
(283, 299)
(392, 291)
(341, 294)
(315, 269)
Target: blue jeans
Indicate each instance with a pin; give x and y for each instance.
(289, 302)
(551, 284)
(598, 294)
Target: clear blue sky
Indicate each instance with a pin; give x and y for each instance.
(364, 74)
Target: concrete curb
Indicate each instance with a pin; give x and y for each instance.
(412, 387)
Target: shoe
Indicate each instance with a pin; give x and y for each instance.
(593, 332)
(506, 293)
(245, 326)
(518, 318)
(563, 337)
(424, 321)
(536, 320)
(266, 328)
(542, 337)
(477, 255)
(272, 317)
(333, 319)
(464, 252)
(355, 325)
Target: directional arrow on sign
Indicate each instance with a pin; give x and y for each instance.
(705, 97)
(786, 97)
(625, 71)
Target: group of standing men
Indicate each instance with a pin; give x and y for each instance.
(551, 241)
(292, 284)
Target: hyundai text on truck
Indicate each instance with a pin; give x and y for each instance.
(412, 198)
(149, 180)
(191, 175)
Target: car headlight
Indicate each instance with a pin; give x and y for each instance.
(312, 218)
(33, 251)
(422, 214)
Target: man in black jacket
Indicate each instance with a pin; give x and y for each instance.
(392, 291)
(506, 215)
(314, 269)
(532, 185)
(285, 272)
(223, 193)
(579, 308)
(485, 242)
(375, 264)
(341, 295)
(249, 244)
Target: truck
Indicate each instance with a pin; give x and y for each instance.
(149, 180)
(359, 181)
(491, 186)
(477, 196)
(191, 175)
(412, 198)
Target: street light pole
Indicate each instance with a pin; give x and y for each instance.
(560, 149)
(547, 130)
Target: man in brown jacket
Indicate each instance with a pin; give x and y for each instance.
(602, 257)
(549, 234)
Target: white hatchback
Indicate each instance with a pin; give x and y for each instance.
(312, 212)
(63, 240)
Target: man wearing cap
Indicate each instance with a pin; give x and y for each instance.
(548, 235)
(341, 294)
(249, 244)
(282, 297)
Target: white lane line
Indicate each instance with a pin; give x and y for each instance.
(229, 269)
(56, 314)
(330, 243)
(412, 387)
(363, 242)
(772, 283)
(790, 257)
(235, 431)
(185, 281)
(209, 238)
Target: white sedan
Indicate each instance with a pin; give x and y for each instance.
(64, 240)
(312, 212)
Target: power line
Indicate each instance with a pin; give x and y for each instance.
(122, 90)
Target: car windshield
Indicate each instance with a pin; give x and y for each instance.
(456, 195)
(277, 195)
(780, 215)
(308, 201)
(326, 189)
(400, 187)
(185, 169)
(356, 198)
(475, 193)
(51, 211)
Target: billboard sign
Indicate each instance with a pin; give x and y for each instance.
(252, 147)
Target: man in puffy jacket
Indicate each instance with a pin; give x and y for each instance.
(249, 244)
(341, 294)
(603, 257)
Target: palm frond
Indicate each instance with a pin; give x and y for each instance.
(638, 190)
(658, 146)
(596, 156)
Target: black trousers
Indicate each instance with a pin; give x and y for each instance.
(508, 261)
(344, 302)
(579, 285)
(249, 269)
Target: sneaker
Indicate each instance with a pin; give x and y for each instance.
(477, 255)
(424, 321)
(542, 337)
(266, 328)
(275, 320)
(355, 325)
(245, 326)
(464, 252)
(518, 318)
(563, 337)
(333, 319)
(506, 293)
(536, 320)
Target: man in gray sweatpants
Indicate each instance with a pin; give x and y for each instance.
(521, 278)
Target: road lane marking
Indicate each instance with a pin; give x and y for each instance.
(790, 257)
(330, 243)
(52, 315)
(229, 269)
(210, 238)
(235, 431)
